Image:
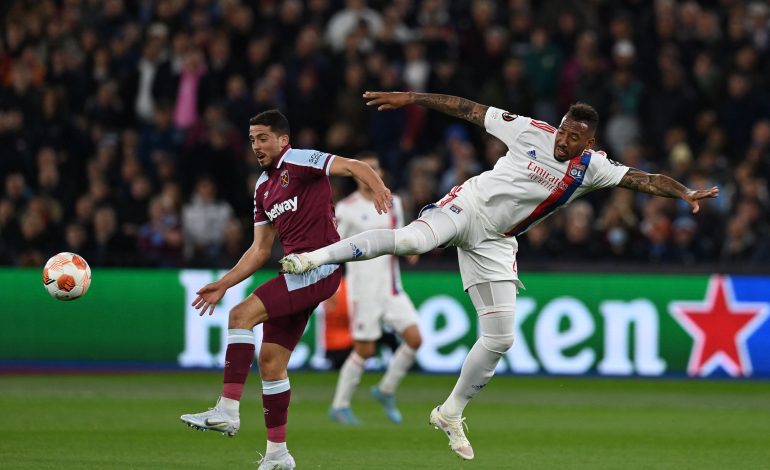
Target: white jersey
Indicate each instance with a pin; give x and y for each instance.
(378, 277)
(528, 183)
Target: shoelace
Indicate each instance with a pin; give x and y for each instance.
(462, 424)
(261, 458)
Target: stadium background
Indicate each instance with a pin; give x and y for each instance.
(123, 137)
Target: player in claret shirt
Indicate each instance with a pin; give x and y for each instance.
(544, 170)
(292, 198)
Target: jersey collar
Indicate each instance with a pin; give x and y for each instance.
(281, 156)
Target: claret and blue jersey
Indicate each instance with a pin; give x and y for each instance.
(295, 195)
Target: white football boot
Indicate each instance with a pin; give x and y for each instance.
(296, 263)
(216, 419)
(284, 462)
(454, 430)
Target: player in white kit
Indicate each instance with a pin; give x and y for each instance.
(544, 170)
(375, 296)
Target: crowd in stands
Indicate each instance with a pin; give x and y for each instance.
(123, 123)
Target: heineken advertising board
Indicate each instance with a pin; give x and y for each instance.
(606, 324)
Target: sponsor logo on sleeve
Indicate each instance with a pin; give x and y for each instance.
(316, 157)
(508, 117)
(455, 208)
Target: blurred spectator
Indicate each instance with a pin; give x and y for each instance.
(462, 159)
(740, 240)
(35, 242)
(576, 240)
(187, 100)
(348, 19)
(234, 243)
(204, 220)
(76, 240)
(142, 81)
(110, 247)
(160, 238)
(685, 244)
(10, 235)
(159, 134)
(509, 89)
(543, 64)
(133, 207)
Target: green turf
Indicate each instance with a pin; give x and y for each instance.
(131, 421)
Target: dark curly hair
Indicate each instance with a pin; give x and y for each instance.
(584, 113)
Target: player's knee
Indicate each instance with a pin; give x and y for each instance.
(415, 342)
(412, 337)
(499, 344)
(364, 349)
(270, 367)
(411, 240)
(239, 317)
(247, 314)
(407, 242)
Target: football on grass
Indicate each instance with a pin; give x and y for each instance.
(66, 276)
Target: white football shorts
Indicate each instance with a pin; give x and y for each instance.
(367, 315)
(484, 255)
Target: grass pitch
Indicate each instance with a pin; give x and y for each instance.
(131, 421)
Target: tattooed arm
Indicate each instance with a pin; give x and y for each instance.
(662, 185)
(447, 104)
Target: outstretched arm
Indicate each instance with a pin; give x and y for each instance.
(447, 104)
(662, 185)
(253, 259)
(346, 167)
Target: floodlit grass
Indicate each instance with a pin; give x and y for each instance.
(131, 421)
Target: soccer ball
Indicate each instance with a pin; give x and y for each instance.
(66, 276)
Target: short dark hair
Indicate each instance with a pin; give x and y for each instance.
(273, 119)
(584, 113)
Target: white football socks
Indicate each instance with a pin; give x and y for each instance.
(478, 368)
(416, 238)
(400, 364)
(363, 246)
(481, 361)
(275, 449)
(230, 406)
(350, 377)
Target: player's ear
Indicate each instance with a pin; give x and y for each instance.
(283, 140)
(590, 143)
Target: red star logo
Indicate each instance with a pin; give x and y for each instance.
(720, 327)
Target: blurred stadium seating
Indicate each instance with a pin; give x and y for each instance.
(123, 123)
